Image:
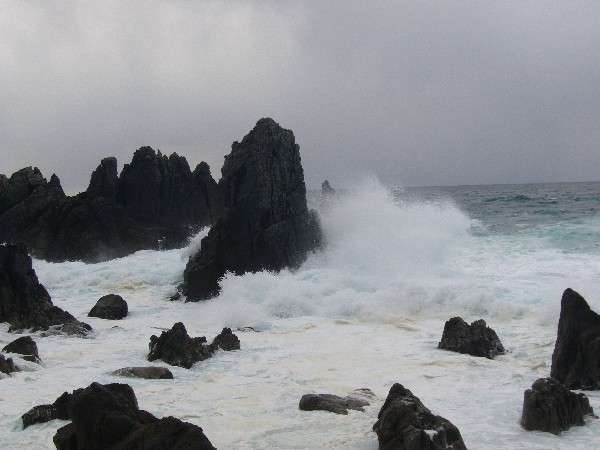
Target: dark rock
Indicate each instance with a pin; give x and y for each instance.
(149, 373)
(110, 306)
(476, 339)
(266, 224)
(326, 189)
(404, 423)
(24, 346)
(576, 357)
(24, 302)
(7, 365)
(549, 406)
(225, 340)
(45, 413)
(332, 403)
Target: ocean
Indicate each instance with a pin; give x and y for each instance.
(366, 312)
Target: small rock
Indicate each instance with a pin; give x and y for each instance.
(24, 346)
(326, 189)
(111, 307)
(331, 403)
(45, 413)
(550, 406)
(476, 339)
(149, 373)
(7, 365)
(226, 340)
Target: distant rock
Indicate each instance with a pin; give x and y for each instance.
(24, 346)
(549, 406)
(266, 224)
(326, 189)
(177, 348)
(476, 339)
(111, 307)
(7, 365)
(404, 423)
(149, 373)
(333, 403)
(24, 302)
(576, 357)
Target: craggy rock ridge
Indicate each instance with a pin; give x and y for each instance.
(576, 357)
(549, 406)
(266, 224)
(476, 339)
(156, 202)
(404, 423)
(24, 302)
(177, 348)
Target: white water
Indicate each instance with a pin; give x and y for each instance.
(367, 312)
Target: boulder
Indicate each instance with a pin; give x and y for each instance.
(7, 365)
(476, 339)
(24, 302)
(549, 406)
(149, 373)
(266, 224)
(576, 356)
(45, 413)
(24, 346)
(331, 403)
(177, 348)
(110, 306)
(404, 423)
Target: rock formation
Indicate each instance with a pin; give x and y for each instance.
(549, 406)
(149, 373)
(24, 346)
(7, 365)
(111, 307)
(177, 348)
(326, 189)
(576, 357)
(266, 224)
(404, 423)
(156, 202)
(334, 403)
(476, 339)
(24, 302)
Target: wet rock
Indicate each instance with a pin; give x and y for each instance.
(149, 373)
(24, 346)
(45, 413)
(331, 403)
(549, 406)
(110, 306)
(7, 365)
(404, 423)
(266, 224)
(476, 339)
(576, 356)
(177, 348)
(24, 302)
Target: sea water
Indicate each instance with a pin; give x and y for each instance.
(368, 311)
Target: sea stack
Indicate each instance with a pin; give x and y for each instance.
(266, 224)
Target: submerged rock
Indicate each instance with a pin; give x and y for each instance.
(476, 339)
(7, 365)
(332, 403)
(404, 423)
(25, 346)
(24, 302)
(549, 406)
(576, 356)
(111, 307)
(149, 373)
(177, 348)
(266, 224)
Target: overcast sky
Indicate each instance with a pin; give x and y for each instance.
(418, 93)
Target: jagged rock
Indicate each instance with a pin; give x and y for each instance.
(332, 403)
(24, 302)
(177, 348)
(266, 224)
(576, 357)
(7, 365)
(110, 306)
(24, 346)
(326, 189)
(404, 423)
(149, 373)
(45, 413)
(549, 406)
(476, 339)
(156, 202)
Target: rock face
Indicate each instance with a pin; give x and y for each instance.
(149, 373)
(576, 357)
(476, 339)
(24, 346)
(331, 403)
(404, 423)
(7, 365)
(266, 224)
(24, 302)
(549, 406)
(156, 202)
(110, 306)
(177, 348)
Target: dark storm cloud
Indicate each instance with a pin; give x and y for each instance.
(415, 92)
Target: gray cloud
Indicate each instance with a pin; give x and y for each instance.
(415, 92)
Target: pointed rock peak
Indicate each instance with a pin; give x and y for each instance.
(202, 169)
(265, 132)
(55, 183)
(143, 153)
(103, 181)
(572, 300)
